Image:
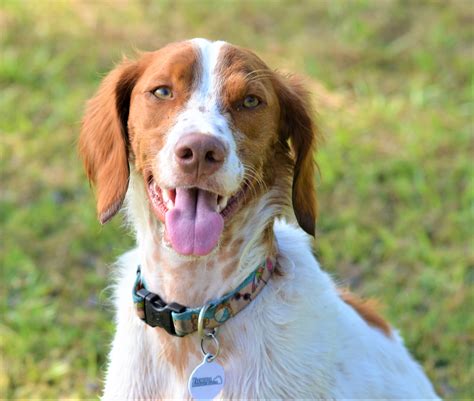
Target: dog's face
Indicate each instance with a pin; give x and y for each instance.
(206, 125)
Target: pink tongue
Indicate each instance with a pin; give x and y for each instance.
(193, 225)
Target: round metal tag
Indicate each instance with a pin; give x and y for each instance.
(207, 380)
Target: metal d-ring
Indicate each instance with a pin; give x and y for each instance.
(207, 334)
(210, 357)
(202, 314)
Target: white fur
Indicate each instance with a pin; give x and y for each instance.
(296, 340)
(301, 341)
(202, 114)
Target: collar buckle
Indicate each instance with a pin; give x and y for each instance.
(158, 312)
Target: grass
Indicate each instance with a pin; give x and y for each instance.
(393, 85)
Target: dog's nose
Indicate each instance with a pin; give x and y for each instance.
(200, 154)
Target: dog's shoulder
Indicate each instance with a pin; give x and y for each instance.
(361, 348)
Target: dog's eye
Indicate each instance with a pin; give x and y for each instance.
(163, 92)
(251, 102)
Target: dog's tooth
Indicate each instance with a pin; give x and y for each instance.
(166, 197)
(223, 201)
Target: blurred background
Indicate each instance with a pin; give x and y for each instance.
(392, 83)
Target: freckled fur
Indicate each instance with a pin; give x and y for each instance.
(299, 338)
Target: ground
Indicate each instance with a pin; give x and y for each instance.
(393, 89)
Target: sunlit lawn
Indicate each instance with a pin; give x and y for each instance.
(393, 85)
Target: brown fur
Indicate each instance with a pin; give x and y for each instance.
(286, 116)
(298, 126)
(366, 310)
(150, 118)
(276, 142)
(103, 141)
(178, 351)
(120, 107)
(125, 121)
(245, 74)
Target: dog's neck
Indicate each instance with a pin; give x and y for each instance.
(246, 241)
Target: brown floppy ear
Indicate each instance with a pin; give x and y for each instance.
(298, 127)
(103, 142)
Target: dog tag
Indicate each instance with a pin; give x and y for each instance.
(207, 380)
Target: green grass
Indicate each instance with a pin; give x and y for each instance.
(393, 82)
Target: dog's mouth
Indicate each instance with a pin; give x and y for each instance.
(193, 217)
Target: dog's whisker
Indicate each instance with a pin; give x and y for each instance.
(209, 240)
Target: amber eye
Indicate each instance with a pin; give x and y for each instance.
(163, 92)
(251, 102)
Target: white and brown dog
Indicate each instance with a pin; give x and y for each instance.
(213, 154)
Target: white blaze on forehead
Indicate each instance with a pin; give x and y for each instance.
(209, 84)
(202, 114)
(205, 97)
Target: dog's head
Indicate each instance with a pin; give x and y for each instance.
(207, 125)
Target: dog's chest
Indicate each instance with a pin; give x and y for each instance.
(255, 365)
(174, 379)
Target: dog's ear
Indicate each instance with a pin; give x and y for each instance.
(103, 142)
(297, 126)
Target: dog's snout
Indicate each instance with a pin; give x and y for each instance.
(200, 154)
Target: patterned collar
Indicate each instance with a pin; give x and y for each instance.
(180, 320)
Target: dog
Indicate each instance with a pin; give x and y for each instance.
(212, 154)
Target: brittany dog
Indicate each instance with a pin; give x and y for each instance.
(212, 153)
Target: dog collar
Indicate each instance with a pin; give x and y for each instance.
(180, 320)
